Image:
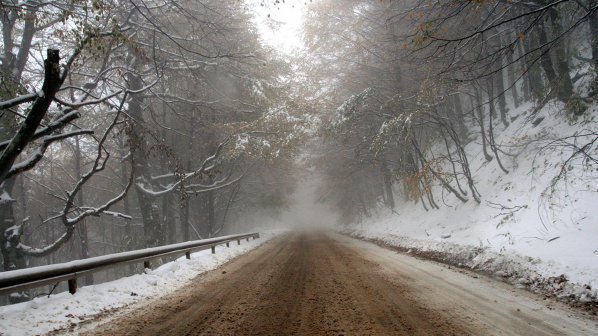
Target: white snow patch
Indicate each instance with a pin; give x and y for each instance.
(5, 197)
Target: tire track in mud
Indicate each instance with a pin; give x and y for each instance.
(325, 284)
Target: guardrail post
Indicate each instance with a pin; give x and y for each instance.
(146, 264)
(188, 255)
(72, 285)
(213, 249)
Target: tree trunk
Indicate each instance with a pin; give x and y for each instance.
(500, 95)
(491, 131)
(560, 83)
(480, 110)
(512, 80)
(10, 231)
(459, 116)
(167, 219)
(185, 219)
(124, 178)
(564, 83)
(545, 59)
(526, 87)
(82, 226)
(450, 158)
(387, 177)
(594, 40)
(185, 206)
(151, 219)
(167, 213)
(11, 236)
(210, 203)
(535, 84)
(150, 212)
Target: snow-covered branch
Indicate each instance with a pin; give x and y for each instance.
(38, 153)
(99, 164)
(84, 211)
(19, 100)
(38, 252)
(201, 188)
(145, 88)
(173, 98)
(203, 169)
(79, 104)
(52, 127)
(114, 214)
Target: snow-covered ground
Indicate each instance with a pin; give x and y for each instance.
(522, 230)
(43, 314)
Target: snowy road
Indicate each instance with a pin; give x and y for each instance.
(327, 284)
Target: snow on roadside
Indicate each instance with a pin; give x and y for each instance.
(523, 231)
(43, 314)
(526, 272)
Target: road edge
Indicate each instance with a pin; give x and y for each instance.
(551, 288)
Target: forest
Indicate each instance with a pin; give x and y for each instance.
(140, 123)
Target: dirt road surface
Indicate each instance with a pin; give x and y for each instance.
(328, 284)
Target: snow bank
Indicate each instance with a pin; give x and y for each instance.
(523, 230)
(526, 272)
(43, 314)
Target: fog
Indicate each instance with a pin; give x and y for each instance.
(305, 211)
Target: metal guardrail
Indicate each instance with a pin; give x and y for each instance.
(18, 280)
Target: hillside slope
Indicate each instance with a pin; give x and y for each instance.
(524, 230)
